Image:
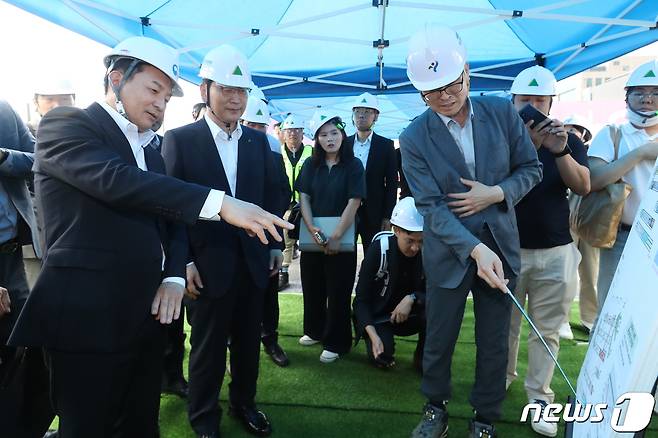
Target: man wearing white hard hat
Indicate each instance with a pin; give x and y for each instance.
(637, 144)
(257, 116)
(468, 161)
(377, 154)
(227, 271)
(51, 93)
(295, 153)
(588, 269)
(114, 264)
(390, 293)
(549, 257)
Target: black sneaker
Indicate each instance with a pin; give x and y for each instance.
(434, 423)
(284, 280)
(481, 430)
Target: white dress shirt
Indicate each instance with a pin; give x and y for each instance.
(463, 137)
(639, 176)
(362, 149)
(227, 146)
(138, 141)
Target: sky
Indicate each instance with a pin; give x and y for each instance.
(33, 47)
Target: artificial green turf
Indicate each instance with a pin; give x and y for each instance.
(349, 398)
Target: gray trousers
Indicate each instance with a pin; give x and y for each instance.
(609, 259)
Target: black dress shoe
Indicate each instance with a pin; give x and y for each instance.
(277, 354)
(284, 280)
(254, 421)
(177, 387)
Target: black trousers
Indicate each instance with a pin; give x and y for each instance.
(269, 330)
(174, 350)
(387, 330)
(25, 409)
(236, 315)
(110, 394)
(327, 283)
(445, 310)
(367, 230)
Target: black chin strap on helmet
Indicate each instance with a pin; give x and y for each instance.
(228, 125)
(126, 76)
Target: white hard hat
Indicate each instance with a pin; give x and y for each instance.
(226, 66)
(646, 75)
(436, 57)
(151, 51)
(406, 216)
(257, 92)
(535, 81)
(319, 119)
(292, 122)
(256, 111)
(50, 86)
(366, 100)
(576, 120)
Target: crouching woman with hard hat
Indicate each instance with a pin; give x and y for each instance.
(331, 185)
(390, 294)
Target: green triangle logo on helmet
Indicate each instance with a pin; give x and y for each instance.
(364, 100)
(323, 117)
(259, 113)
(237, 71)
(650, 74)
(533, 83)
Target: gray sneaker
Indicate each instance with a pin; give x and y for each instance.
(434, 423)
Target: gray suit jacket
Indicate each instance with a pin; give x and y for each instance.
(17, 140)
(433, 164)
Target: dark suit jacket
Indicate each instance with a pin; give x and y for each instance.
(17, 140)
(433, 164)
(219, 249)
(103, 259)
(381, 181)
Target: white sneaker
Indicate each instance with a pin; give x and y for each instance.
(542, 427)
(307, 340)
(565, 331)
(328, 356)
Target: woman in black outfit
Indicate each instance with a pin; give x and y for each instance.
(331, 184)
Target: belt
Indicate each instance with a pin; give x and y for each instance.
(624, 227)
(10, 246)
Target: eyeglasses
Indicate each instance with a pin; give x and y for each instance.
(638, 95)
(363, 111)
(451, 90)
(231, 91)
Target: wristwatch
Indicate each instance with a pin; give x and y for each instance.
(565, 151)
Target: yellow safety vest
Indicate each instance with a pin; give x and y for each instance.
(293, 171)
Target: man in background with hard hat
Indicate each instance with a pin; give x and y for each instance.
(257, 116)
(390, 293)
(549, 258)
(588, 269)
(294, 153)
(468, 161)
(377, 154)
(227, 271)
(638, 149)
(24, 389)
(114, 268)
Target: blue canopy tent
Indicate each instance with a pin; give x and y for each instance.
(310, 53)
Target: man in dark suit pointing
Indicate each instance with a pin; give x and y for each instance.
(112, 272)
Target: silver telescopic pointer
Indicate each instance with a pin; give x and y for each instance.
(541, 338)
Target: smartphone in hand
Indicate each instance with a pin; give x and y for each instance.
(529, 112)
(321, 237)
